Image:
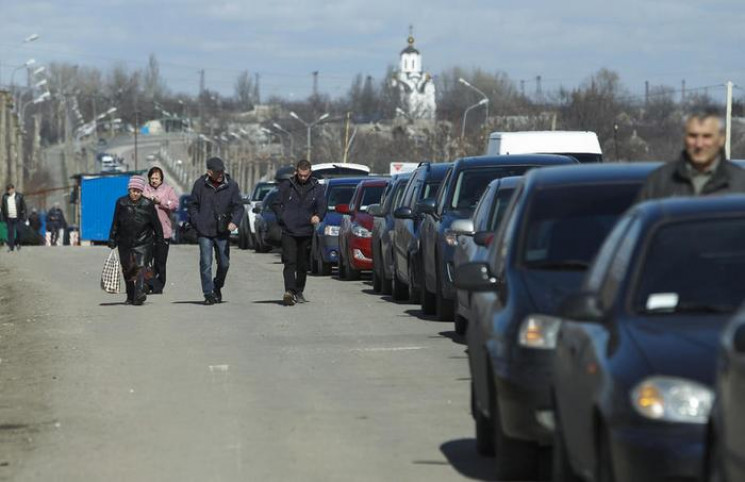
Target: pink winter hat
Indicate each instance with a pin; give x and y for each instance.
(136, 182)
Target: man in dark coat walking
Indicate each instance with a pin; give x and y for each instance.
(134, 230)
(216, 210)
(299, 206)
(14, 213)
(55, 223)
(702, 168)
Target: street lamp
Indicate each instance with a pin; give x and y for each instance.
(289, 135)
(468, 84)
(26, 65)
(31, 38)
(465, 114)
(309, 126)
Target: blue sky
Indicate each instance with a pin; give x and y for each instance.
(284, 41)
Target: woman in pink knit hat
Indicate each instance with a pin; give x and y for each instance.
(166, 202)
(134, 231)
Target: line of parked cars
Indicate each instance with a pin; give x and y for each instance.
(604, 337)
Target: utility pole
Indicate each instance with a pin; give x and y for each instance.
(315, 83)
(682, 91)
(728, 139)
(522, 88)
(137, 128)
(646, 93)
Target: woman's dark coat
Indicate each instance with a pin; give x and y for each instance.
(133, 230)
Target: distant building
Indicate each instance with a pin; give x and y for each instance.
(416, 87)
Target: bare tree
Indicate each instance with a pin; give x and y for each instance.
(244, 91)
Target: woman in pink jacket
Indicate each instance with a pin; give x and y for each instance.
(166, 202)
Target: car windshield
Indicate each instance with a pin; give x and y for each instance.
(261, 190)
(501, 200)
(268, 200)
(566, 225)
(471, 183)
(694, 266)
(371, 195)
(339, 195)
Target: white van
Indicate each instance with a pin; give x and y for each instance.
(582, 145)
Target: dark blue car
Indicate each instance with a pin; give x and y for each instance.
(636, 348)
(324, 251)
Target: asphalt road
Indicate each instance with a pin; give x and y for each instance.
(349, 387)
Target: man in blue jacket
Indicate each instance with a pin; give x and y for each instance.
(216, 210)
(300, 206)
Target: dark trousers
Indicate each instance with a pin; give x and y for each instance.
(160, 257)
(295, 257)
(133, 268)
(14, 237)
(220, 248)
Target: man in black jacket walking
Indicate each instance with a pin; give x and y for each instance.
(216, 210)
(14, 213)
(300, 206)
(702, 168)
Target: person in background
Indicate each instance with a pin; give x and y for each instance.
(215, 211)
(34, 222)
(56, 225)
(135, 229)
(14, 212)
(702, 168)
(299, 207)
(166, 202)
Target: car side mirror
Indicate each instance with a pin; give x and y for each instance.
(342, 208)
(483, 238)
(738, 340)
(462, 226)
(374, 210)
(403, 212)
(475, 277)
(425, 206)
(581, 307)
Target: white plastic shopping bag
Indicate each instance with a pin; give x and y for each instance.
(111, 274)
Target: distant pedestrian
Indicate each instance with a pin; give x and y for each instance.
(34, 222)
(14, 213)
(56, 225)
(166, 202)
(215, 211)
(702, 168)
(299, 206)
(134, 231)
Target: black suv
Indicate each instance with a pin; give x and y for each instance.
(457, 198)
(424, 182)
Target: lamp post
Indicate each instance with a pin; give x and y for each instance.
(21, 131)
(289, 135)
(468, 84)
(465, 114)
(309, 126)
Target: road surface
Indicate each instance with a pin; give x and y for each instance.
(349, 387)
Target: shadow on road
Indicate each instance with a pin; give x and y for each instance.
(463, 457)
(201, 302)
(112, 303)
(418, 314)
(456, 338)
(270, 302)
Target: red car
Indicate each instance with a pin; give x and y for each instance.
(355, 230)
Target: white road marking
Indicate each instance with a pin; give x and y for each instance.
(391, 348)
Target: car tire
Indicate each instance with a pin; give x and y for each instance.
(312, 262)
(342, 267)
(461, 324)
(399, 290)
(429, 300)
(445, 309)
(250, 238)
(561, 468)
(483, 428)
(352, 273)
(604, 471)
(376, 282)
(414, 294)
(515, 459)
(242, 238)
(386, 286)
(324, 267)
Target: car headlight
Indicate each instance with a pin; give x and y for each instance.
(673, 400)
(451, 238)
(361, 232)
(331, 231)
(539, 332)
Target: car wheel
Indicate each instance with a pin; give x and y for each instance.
(399, 289)
(713, 472)
(445, 308)
(242, 238)
(257, 245)
(325, 268)
(414, 293)
(342, 267)
(386, 285)
(352, 273)
(250, 237)
(561, 467)
(604, 469)
(515, 459)
(429, 300)
(377, 283)
(461, 325)
(484, 429)
(313, 263)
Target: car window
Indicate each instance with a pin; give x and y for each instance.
(268, 200)
(261, 191)
(371, 195)
(430, 189)
(480, 213)
(499, 247)
(600, 265)
(339, 194)
(410, 188)
(442, 192)
(620, 264)
(566, 225)
(397, 196)
(471, 183)
(693, 266)
(498, 207)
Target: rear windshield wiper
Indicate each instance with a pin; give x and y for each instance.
(693, 308)
(565, 265)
